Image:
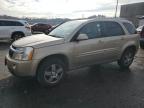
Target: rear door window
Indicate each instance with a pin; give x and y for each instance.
(18, 24)
(9, 23)
(110, 28)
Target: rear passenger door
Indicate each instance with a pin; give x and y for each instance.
(114, 39)
(15, 26)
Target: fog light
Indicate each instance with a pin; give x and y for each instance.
(14, 67)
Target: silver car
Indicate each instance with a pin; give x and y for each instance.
(72, 45)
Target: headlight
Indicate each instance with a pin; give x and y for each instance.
(23, 53)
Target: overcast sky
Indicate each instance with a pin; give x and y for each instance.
(60, 8)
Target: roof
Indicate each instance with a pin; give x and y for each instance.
(105, 19)
(132, 4)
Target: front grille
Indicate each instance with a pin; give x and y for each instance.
(11, 53)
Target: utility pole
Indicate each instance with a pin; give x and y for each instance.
(116, 9)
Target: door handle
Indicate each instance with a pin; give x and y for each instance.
(122, 38)
(100, 41)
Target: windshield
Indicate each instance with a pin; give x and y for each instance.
(66, 29)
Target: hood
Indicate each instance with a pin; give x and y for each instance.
(39, 40)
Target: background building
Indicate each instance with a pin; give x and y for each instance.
(133, 12)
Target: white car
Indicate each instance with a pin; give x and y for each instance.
(139, 28)
(14, 29)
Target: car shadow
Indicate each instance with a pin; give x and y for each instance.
(80, 87)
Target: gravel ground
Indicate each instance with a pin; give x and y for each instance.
(103, 86)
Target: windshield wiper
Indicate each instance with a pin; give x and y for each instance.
(55, 36)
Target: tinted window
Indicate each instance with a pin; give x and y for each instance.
(110, 28)
(130, 28)
(19, 24)
(1, 23)
(41, 24)
(10, 23)
(92, 30)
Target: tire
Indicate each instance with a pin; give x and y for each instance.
(142, 45)
(48, 75)
(17, 36)
(127, 58)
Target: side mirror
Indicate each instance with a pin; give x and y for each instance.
(82, 37)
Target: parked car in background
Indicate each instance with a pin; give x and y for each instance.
(14, 29)
(41, 27)
(139, 29)
(142, 38)
(72, 45)
(54, 26)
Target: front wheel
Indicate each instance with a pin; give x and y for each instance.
(127, 58)
(50, 72)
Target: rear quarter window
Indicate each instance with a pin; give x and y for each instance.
(130, 28)
(19, 24)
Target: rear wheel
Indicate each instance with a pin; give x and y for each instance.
(50, 72)
(17, 36)
(126, 58)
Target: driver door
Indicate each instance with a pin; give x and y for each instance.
(89, 51)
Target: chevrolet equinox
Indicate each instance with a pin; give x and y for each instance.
(72, 45)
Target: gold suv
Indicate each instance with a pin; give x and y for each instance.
(72, 45)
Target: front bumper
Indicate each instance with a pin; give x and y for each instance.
(21, 68)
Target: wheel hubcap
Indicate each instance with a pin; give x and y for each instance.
(53, 73)
(17, 37)
(128, 58)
